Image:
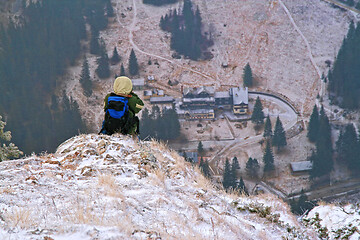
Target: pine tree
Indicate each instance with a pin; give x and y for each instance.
(268, 128)
(94, 42)
(242, 188)
(322, 158)
(173, 124)
(122, 70)
(279, 138)
(347, 147)
(247, 76)
(227, 175)
(7, 152)
(85, 80)
(314, 123)
(302, 205)
(268, 159)
(234, 167)
(146, 123)
(103, 69)
(201, 164)
(200, 148)
(257, 116)
(204, 167)
(115, 57)
(252, 167)
(133, 64)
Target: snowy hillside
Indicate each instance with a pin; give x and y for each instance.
(335, 222)
(113, 187)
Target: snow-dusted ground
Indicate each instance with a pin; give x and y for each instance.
(342, 222)
(114, 187)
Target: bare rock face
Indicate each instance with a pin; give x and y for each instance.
(113, 187)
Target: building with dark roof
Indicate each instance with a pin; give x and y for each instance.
(161, 100)
(138, 84)
(198, 98)
(302, 167)
(223, 100)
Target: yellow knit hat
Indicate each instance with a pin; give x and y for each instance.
(122, 85)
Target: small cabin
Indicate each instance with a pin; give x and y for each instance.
(300, 168)
(151, 79)
(138, 84)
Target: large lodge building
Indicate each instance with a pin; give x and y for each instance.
(200, 103)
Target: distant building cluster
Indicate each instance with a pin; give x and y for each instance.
(198, 102)
(201, 102)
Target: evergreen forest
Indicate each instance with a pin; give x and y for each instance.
(35, 50)
(185, 27)
(344, 77)
(159, 124)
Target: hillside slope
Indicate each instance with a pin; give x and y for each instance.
(112, 187)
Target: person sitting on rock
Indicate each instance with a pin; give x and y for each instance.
(121, 107)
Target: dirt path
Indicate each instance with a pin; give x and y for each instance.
(310, 54)
(131, 40)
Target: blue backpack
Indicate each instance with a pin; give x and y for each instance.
(117, 106)
(116, 115)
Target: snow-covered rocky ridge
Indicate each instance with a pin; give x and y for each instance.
(335, 221)
(114, 187)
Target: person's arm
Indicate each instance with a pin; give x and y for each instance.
(105, 101)
(135, 103)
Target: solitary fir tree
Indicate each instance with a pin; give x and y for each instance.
(200, 149)
(145, 124)
(204, 167)
(268, 128)
(234, 167)
(122, 70)
(257, 116)
(103, 69)
(85, 80)
(247, 76)
(7, 152)
(115, 57)
(252, 168)
(279, 138)
(268, 159)
(133, 64)
(94, 42)
(314, 123)
(227, 176)
(241, 187)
